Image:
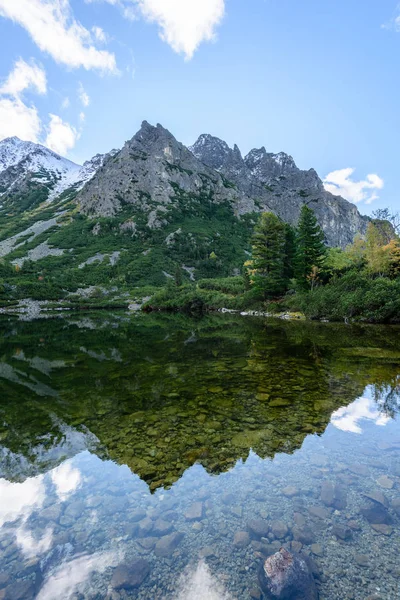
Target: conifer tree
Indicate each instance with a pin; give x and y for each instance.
(311, 249)
(290, 253)
(267, 268)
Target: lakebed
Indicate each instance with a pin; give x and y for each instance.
(161, 456)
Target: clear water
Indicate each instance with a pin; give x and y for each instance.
(161, 438)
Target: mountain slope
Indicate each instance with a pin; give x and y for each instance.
(278, 185)
(21, 162)
(31, 173)
(149, 213)
(151, 173)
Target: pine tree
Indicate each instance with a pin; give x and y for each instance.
(267, 268)
(290, 253)
(311, 249)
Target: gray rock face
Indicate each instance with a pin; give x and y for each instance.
(153, 169)
(279, 185)
(149, 172)
(287, 576)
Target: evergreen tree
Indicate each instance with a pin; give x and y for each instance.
(267, 268)
(290, 253)
(311, 249)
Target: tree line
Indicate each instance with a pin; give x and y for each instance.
(286, 258)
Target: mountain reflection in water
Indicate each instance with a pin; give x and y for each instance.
(119, 439)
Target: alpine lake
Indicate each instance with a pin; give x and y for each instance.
(162, 457)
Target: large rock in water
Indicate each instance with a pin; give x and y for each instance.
(287, 576)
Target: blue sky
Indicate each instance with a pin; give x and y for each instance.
(318, 80)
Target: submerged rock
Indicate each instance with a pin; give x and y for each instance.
(287, 576)
(376, 513)
(130, 576)
(167, 545)
(258, 528)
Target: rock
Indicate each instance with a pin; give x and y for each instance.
(279, 529)
(290, 491)
(359, 470)
(342, 532)
(299, 519)
(130, 575)
(295, 546)
(207, 552)
(319, 511)
(168, 544)
(377, 496)
(258, 528)
(236, 511)
(255, 594)
(376, 513)
(304, 534)
(147, 543)
(317, 549)
(285, 576)
(241, 539)
(327, 493)
(228, 499)
(162, 527)
(354, 525)
(382, 528)
(194, 512)
(137, 515)
(385, 482)
(20, 590)
(362, 560)
(396, 506)
(145, 527)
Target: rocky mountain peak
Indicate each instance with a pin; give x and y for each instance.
(211, 150)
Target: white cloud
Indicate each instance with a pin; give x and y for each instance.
(99, 34)
(350, 418)
(65, 103)
(69, 577)
(16, 118)
(82, 117)
(83, 96)
(52, 27)
(341, 183)
(184, 24)
(61, 135)
(24, 76)
(67, 479)
(20, 500)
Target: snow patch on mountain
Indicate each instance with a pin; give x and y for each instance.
(19, 159)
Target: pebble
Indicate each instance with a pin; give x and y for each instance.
(290, 491)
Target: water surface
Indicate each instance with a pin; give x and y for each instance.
(196, 446)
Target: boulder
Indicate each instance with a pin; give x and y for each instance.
(287, 576)
(130, 575)
(258, 528)
(376, 513)
(167, 545)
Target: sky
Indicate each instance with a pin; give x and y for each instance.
(318, 80)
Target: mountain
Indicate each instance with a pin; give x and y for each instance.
(23, 162)
(151, 173)
(149, 212)
(32, 170)
(279, 185)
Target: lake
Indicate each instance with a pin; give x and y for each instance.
(159, 456)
